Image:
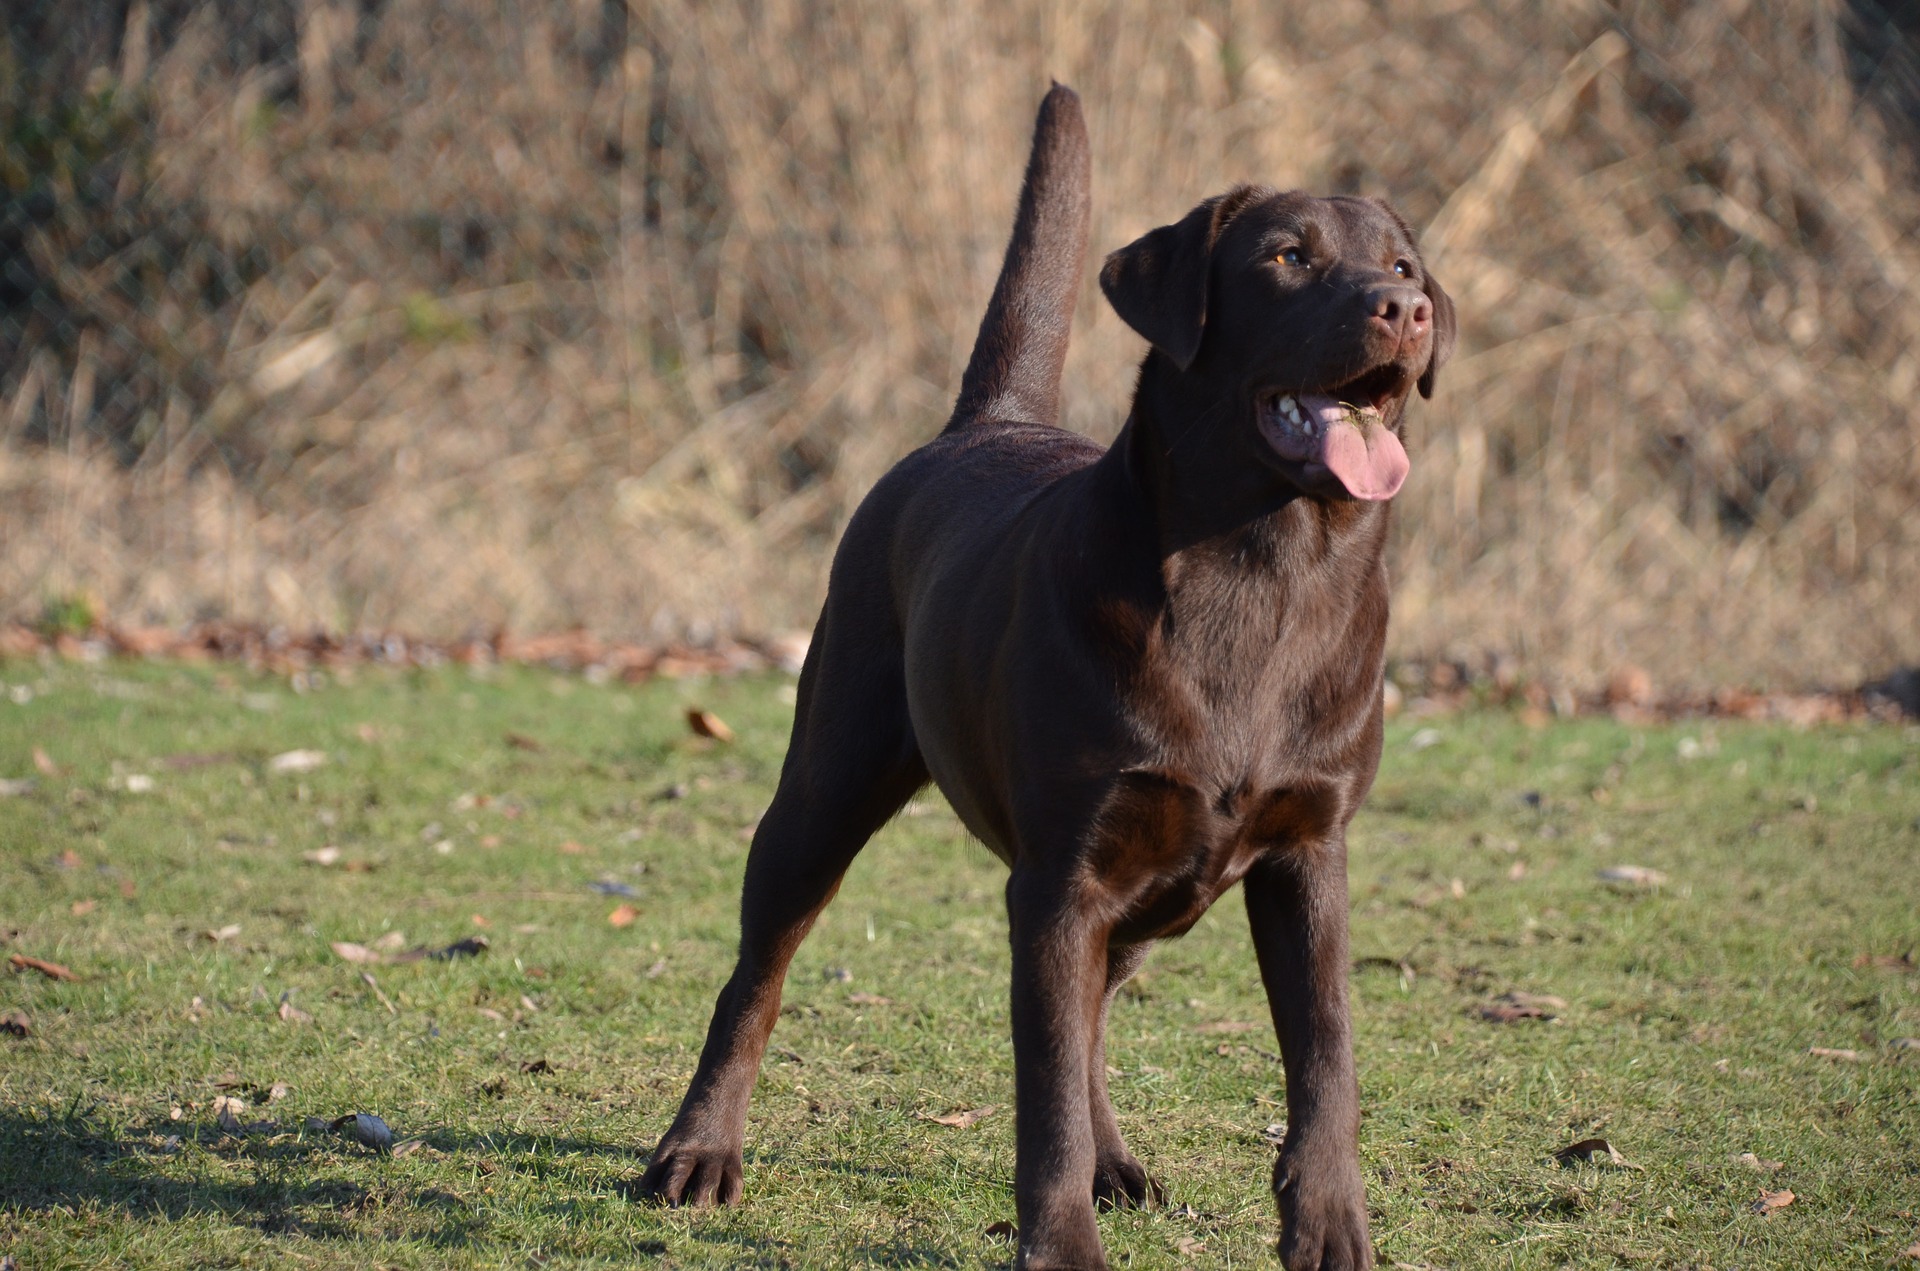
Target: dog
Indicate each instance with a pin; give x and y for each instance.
(1140, 674)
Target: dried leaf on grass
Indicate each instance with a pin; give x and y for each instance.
(1226, 1026)
(1632, 876)
(52, 970)
(14, 787)
(230, 1112)
(297, 761)
(707, 724)
(1189, 1245)
(81, 908)
(472, 946)
(1511, 1007)
(16, 1024)
(44, 764)
(218, 934)
(962, 1120)
(408, 1147)
(1593, 1150)
(1831, 1052)
(535, 1066)
(1770, 1201)
(362, 1127)
(291, 1014)
(1753, 1162)
(868, 999)
(1886, 961)
(623, 916)
(520, 741)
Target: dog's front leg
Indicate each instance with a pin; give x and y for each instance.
(1059, 986)
(1297, 903)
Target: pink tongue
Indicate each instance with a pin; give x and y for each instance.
(1367, 457)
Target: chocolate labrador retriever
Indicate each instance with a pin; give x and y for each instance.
(1140, 674)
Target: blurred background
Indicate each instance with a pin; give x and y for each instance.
(455, 316)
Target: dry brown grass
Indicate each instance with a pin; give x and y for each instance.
(560, 319)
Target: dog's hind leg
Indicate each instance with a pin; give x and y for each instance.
(851, 765)
(1119, 1180)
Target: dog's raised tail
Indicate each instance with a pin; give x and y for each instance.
(1014, 373)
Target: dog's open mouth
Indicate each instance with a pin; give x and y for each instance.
(1343, 430)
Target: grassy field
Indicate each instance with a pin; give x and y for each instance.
(149, 843)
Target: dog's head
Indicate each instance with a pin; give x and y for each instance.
(1316, 316)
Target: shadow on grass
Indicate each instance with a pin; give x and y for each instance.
(298, 1186)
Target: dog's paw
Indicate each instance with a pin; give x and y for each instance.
(690, 1174)
(1121, 1182)
(1323, 1213)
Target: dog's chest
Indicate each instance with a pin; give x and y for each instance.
(1166, 844)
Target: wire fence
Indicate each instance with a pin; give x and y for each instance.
(460, 315)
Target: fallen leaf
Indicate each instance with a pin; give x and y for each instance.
(367, 733)
(219, 934)
(297, 761)
(322, 856)
(708, 724)
(1830, 1052)
(68, 859)
(1912, 1251)
(363, 1128)
(1753, 1162)
(494, 1087)
(1905, 1043)
(1511, 1007)
(471, 947)
(1589, 1150)
(357, 953)
(623, 916)
(520, 741)
(227, 1111)
(1276, 1133)
(408, 1147)
(81, 908)
(572, 848)
(1632, 876)
(962, 1120)
(16, 1024)
(1886, 961)
(1425, 738)
(1189, 1245)
(657, 970)
(1770, 1201)
(487, 1012)
(278, 1091)
(52, 970)
(291, 1014)
(532, 1066)
(868, 999)
(139, 783)
(14, 787)
(1002, 1230)
(44, 763)
(390, 941)
(1516, 871)
(1226, 1026)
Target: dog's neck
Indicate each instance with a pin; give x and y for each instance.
(1190, 455)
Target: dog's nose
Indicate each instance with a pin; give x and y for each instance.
(1404, 312)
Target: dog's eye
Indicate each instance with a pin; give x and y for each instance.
(1294, 256)
(1403, 269)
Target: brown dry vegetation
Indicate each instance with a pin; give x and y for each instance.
(450, 315)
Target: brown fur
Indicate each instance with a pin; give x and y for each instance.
(1140, 675)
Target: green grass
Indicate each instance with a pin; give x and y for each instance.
(1691, 1006)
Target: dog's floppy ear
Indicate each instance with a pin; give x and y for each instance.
(1445, 332)
(1158, 282)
